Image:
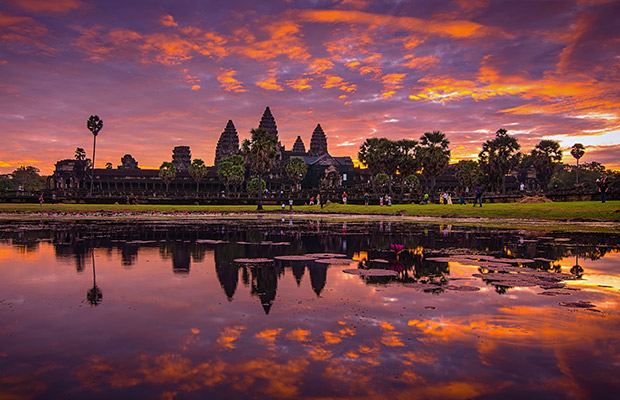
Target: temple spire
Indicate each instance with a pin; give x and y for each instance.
(318, 143)
(228, 144)
(268, 122)
(299, 146)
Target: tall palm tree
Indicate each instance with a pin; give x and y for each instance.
(434, 156)
(198, 170)
(261, 153)
(577, 151)
(94, 124)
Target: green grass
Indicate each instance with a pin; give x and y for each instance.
(579, 210)
(560, 211)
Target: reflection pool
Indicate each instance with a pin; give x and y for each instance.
(219, 309)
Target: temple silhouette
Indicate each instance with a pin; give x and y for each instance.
(324, 170)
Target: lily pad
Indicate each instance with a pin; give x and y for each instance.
(577, 304)
(211, 241)
(325, 255)
(371, 272)
(333, 261)
(253, 260)
(295, 258)
(461, 288)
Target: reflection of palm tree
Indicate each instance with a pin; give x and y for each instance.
(577, 270)
(94, 295)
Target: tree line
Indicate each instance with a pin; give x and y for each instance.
(400, 162)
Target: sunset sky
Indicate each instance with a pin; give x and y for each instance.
(167, 73)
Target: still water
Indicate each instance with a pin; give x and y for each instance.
(163, 310)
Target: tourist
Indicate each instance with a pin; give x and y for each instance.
(41, 200)
(449, 198)
(283, 207)
(318, 200)
(290, 204)
(381, 201)
(344, 198)
(522, 187)
(478, 192)
(389, 201)
(602, 187)
(312, 200)
(53, 198)
(462, 200)
(425, 198)
(366, 198)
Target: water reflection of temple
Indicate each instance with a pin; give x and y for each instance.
(188, 243)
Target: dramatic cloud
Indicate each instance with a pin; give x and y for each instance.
(162, 75)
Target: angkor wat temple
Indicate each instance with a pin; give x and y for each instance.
(324, 170)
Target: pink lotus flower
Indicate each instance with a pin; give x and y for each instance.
(397, 247)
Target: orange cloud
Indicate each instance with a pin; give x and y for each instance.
(298, 335)
(229, 336)
(421, 63)
(269, 84)
(284, 40)
(269, 335)
(320, 65)
(230, 83)
(443, 28)
(168, 20)
(299, 84)
(170, 48)
(333, 81)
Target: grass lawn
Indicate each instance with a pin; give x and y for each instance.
(586, 210)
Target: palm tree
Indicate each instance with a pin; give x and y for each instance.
(167, 172)
(198, 170)
(577, 151)
(260, 153)
(80, 154)
(434, 156)
(94, 124)
(498, 157)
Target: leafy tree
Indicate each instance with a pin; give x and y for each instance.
(108, 165)
(380, 155)
(167, 172)
(408, 163)
(80, 154)
(197, 170)
(94, 125)
(498, 157)
(468, 173)
(577, 151)
(382, 179)
(256, 186)
(260, 153)
(231, 171)
(434, 156)
(28, 178)
(546, 155)
(296, 170)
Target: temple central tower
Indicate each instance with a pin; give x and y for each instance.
(268, 122)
